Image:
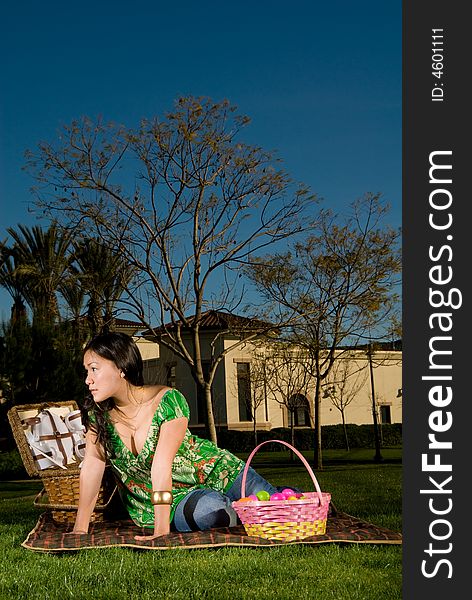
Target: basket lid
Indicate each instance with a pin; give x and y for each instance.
(17, 417)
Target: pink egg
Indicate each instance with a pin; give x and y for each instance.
(277, 496)
(253, 497)
(287, 492)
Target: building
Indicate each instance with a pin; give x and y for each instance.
(257, 378)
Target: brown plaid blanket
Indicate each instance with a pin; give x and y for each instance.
(49, 536)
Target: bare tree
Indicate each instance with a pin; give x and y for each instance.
(185, 203)
(289, 380)
(343, 385)
(374, 362)
(341, 283)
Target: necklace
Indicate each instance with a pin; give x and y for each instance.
(130, 420)
(130, 417)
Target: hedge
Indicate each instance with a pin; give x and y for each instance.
(332, 437)
(11, 466)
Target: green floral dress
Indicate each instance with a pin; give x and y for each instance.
(198, 463)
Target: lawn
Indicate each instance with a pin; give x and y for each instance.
(353, 572)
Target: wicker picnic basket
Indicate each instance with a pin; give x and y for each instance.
(60, 494)
(284, 520)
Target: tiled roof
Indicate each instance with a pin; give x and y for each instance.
(127, 323)
(222, 321)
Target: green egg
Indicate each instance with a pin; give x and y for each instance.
(263, 495)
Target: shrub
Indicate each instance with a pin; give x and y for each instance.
(332, 437)
(11, 466)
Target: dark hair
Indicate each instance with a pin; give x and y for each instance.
(121, 349)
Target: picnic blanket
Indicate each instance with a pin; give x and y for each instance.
(50, 536)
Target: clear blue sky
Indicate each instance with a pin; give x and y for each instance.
(321, 82)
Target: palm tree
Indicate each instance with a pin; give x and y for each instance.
(40, 263)
(10, 280)
(104, 276)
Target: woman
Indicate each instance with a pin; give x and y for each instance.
(168, 477)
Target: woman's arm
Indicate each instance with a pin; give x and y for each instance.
(171, 436)
(91, 475)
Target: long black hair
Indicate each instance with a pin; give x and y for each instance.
(122, 350)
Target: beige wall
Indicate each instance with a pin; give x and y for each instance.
(149, 350)
(387, 372)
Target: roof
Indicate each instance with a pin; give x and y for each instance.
(127, 326)
(215, 320)
(127, 323)
(379, 346)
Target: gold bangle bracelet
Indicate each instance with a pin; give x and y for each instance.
(161, 497)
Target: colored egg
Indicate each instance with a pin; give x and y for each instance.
(245, 499)
(253, 498)
(263, 495)
(287, 492)
(277, 496)
(291, 498)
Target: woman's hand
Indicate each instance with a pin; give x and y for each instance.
(90, 479)
(148, 538)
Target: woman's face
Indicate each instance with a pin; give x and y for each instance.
(104, 379)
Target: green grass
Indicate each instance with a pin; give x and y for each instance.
(332, 571)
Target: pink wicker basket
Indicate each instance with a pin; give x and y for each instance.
(285, 520)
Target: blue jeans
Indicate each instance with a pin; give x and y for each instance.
(206, 508)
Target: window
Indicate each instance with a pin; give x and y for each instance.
(244, 391)
(298, 411)
(385, 414)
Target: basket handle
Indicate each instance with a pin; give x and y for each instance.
(300, 456)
